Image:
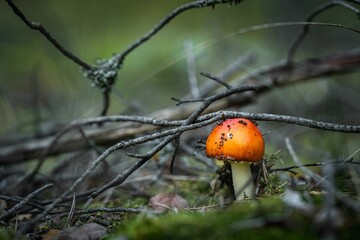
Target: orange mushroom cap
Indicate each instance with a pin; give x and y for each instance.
(236, 139)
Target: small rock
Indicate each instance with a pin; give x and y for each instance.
(89, 231)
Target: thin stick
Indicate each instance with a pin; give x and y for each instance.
(318, 164)
(15, 208)
(173, 154)
(217, 79)
(297, 161)
(174, 13)
(104, 209)
(48, 36)
(191, 69)
(302, 33)
(305, 122)
(71, 211)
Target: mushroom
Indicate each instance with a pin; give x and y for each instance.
(240, 142)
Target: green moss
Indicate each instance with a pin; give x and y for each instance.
(7, 233)
(251, 219)
(266, 218)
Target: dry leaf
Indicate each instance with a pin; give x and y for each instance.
(165, 201)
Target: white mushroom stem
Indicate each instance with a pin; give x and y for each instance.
(242, 180)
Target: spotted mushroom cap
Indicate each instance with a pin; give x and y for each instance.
(236, 139)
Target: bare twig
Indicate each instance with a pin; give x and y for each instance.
(119, 179)
(171, 177)
(260, 27)
(173, 154)
(302, 33)
(234, 67)
(71, 211)
(213, 42)
(216, 79)
(174, 13)
(329, 186)
(44, 154)
(106, 103)
(318, 164)
(179, 101)
(48, 36)
(191, 69)
(99, 120)
(14, 209)
(287, 119)
(16, 199)
(108, 210)
(297, 161)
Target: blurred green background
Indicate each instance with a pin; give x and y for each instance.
(40, 87)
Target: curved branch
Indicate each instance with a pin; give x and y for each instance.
(304, 122)
(12, 211)
(277, 75)
(197, 4)
(302, 33)
(48, 36)
(317, 164)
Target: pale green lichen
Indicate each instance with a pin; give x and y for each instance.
(103, 76)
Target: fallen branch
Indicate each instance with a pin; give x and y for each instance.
(278, 75)
(12, 211)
